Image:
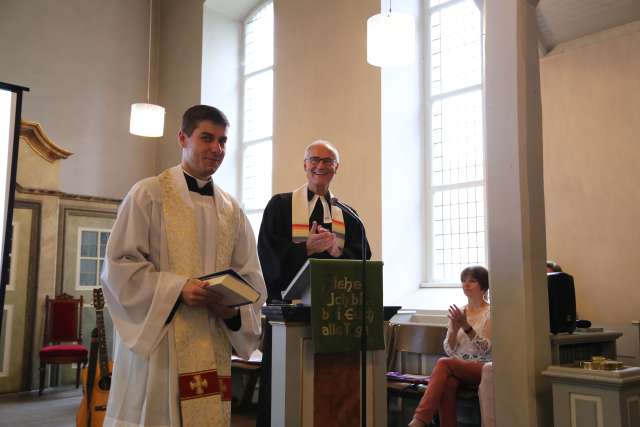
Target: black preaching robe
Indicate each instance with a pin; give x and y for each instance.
(280, 258)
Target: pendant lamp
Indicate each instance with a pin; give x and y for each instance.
(147, 119)
(391, 39)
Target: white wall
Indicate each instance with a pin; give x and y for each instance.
(85, 62)
(324, 89)
(403, 146)
(179, 70)
(591, 122)
(221, 50)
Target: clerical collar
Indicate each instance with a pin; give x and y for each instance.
(198, 185)
(310, 195)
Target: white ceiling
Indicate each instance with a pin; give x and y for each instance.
(560, 21)
(234, 9)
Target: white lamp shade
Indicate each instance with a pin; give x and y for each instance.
(391, 40)
(146, 120)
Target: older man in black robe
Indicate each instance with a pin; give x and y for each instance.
(300, 225)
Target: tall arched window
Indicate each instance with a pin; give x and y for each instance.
(456, 181)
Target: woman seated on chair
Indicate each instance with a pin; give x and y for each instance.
(468, 345)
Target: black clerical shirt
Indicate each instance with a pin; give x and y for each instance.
(317, 214)
(192, 185)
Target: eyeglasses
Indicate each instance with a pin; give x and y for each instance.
(328, 161)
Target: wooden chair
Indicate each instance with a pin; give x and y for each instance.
(250, 368)
(62, 343)
(414, 349)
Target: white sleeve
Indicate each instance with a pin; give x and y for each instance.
(482, 340)
(245, 261)
(140, 297)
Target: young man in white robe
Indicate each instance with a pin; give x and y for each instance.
(173, 337)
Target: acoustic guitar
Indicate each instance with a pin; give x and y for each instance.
(93, 407)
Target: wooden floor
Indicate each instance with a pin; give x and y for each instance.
(57, 408)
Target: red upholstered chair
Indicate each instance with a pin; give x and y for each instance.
(62, 342)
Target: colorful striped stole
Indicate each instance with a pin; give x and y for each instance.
(301, 209)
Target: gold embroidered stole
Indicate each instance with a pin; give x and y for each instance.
(202, 348)
(300, 212)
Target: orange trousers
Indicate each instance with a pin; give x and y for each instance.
(440, 397)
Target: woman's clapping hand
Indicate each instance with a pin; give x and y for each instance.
(458, 317)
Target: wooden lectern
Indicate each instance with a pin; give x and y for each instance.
(315, 364)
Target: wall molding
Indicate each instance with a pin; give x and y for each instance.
(33, 135)
(633, 414)
(591, 39)
(596, 400)
(64, 196)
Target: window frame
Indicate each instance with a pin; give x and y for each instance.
(429, 280)
(100, 231)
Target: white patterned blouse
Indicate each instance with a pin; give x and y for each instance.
(478, 348)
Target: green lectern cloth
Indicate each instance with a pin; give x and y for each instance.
(336, 309)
